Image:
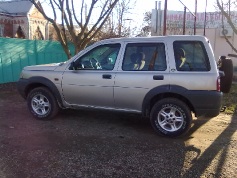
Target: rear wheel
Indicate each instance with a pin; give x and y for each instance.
(170, 117)
(42, 104)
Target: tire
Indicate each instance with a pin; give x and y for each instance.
(170, 117)
(226, 81)
(42, 104)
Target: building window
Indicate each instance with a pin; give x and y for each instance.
(20, 33)
(38, 34)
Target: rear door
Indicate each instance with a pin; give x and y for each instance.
(144, 67)
(190, 66)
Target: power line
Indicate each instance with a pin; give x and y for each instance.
(186, 7)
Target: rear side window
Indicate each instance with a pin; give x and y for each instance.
(144, 57)
(190, 56)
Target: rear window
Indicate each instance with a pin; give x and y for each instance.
(190, 56)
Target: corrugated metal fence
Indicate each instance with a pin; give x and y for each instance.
(17, 53)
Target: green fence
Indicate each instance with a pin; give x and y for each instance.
(17, 53)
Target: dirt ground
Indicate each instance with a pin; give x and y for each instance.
(107, 144)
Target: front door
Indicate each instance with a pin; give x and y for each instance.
(91, 82)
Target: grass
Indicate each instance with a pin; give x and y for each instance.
(230, 100)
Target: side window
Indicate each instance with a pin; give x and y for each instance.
(190, 56)
(100, 58)
(144, 56)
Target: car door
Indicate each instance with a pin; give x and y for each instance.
(144, 67)
(190, 66)
(91, 81)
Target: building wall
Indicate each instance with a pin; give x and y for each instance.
(23, 23)
(219, 45)
(35, 26)
(6, 26)
(30, 24)
(37, 22)
(9, 25)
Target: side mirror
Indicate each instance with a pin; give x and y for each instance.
(74, 66)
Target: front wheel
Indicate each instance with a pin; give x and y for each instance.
(42, 104)
(170, 117)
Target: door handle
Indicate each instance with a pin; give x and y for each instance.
(107, 76)
(158, 77)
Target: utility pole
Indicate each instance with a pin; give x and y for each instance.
(205, 20)
(184, 20)
(165, 17)
(195, 17)
(160, 18)
(156, 29)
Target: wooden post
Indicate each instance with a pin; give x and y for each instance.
(195, 17)
(184, 20)
(165, 16)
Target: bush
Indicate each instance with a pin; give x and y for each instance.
(230, 100)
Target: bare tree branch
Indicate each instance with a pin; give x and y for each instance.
(103, 16)
(227, 15)
(68, 16)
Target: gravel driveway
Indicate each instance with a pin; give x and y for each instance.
(106, 144)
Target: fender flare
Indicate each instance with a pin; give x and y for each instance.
(161, 92)
(25, 85)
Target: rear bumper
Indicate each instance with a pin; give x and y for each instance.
(206, 103)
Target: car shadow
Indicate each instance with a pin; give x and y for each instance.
(218, 148)
(200, 160)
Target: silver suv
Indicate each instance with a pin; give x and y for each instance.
(165, 79)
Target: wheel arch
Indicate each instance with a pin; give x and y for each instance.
(35, 82)
(162, 92)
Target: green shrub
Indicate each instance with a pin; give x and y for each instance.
(230, 100)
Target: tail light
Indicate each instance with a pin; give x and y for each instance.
(218, 84)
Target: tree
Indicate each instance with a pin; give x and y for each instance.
(66, 11)
(122, 8)
(226, 9)
(116, 25)
(146, 29)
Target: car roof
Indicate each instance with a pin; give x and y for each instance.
(154, 38)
